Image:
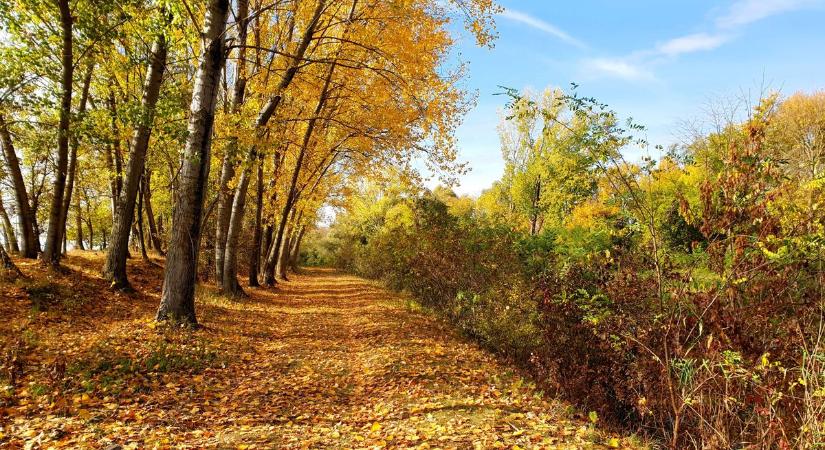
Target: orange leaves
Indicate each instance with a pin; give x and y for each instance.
(327, 361)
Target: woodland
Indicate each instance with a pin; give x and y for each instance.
(217, 233)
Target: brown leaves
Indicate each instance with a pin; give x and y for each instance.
(327, 361)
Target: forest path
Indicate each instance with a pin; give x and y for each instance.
(324, 360)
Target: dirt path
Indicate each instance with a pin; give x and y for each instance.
(323, 361)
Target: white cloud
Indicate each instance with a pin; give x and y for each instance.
(744, 12)
(619, 68)
(691, 43)
(538, 24)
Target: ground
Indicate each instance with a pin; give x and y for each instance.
(325, 360)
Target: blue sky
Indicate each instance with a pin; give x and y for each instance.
(660, 62)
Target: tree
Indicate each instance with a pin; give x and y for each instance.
(178, 296)
(51, 252)
(114, 269)
(30, 244)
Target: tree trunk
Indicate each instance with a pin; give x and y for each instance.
(154, 237)
(114, 161)
(266, 242)
(51, 254)
(141, 237)
(255, 252)
(283, 257)
(7, 267)
(79, 225)
(30, 240)
(178, 297)
(114, 269)
(295, 253)
(75, 142)
(230, 268)
(11, 237)
(225, 199)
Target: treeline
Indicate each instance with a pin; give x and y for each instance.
(680, 298)
(212, 132)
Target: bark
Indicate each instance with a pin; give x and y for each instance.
(78, 243)
(114, 162)
(30, 241)
(141, 237)
(114, 269)
(11, 236)
(283, 257)
(51, 253)
(91, 234)
(231, 284)
(154, 236)
(178, 297)
(255, 252)
(295, 253)
(74, 143)
(225, 200)
(266, 242)
(7, 266)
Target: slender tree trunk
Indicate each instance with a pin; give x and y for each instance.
(79, 225)
(178, 297)
(114, 160)
(30, 240)
(91, 233)
(154, 237)
(74, 143)
(7, 266)
(114, 269)
(141, 237)
(225, 199)
(11, 236)
(283, 257)
(295, 253)
(266, 242)
(51, 254)
(230, 268)
(255, 252)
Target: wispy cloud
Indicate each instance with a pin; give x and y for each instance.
(541, 25)
(619, 68)
(637, 66)
(744, 12)
(691, 43)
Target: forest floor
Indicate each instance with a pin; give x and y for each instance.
(324, 360)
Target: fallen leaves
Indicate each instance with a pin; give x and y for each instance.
(326, 361)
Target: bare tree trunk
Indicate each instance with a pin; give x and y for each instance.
(255, 252)
(51, 253)
(178, 297)
(31, 242)
(114, 269)
(75, 142)
(78, 243)
(154, 237)
(11, 237)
